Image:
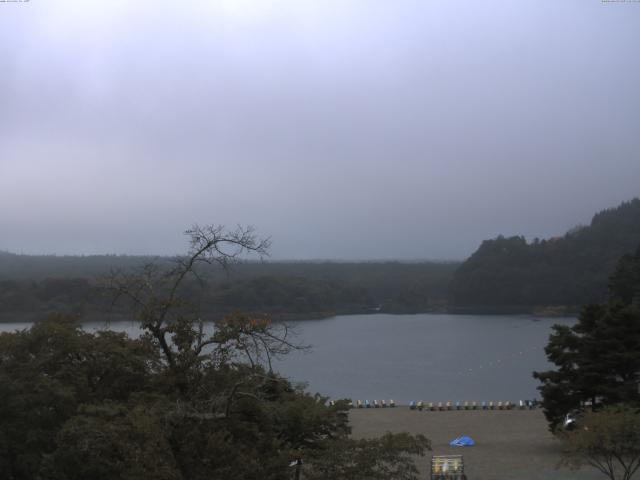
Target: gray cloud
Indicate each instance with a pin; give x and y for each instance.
(343, 129)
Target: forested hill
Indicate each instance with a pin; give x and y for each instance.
(566, 271)
(31, 286)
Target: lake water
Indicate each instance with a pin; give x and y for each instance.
(429, 357)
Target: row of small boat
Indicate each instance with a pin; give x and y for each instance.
(413, 405)
(521, 405)
(374, 404)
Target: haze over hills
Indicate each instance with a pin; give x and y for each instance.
(504, 274)
(353, 130)
(32, 286)
(566, 271)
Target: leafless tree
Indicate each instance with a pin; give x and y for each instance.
(175, 324)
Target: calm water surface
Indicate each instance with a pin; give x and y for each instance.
(428, 357)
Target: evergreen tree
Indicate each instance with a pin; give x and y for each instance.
(567, 271)
(598, 358)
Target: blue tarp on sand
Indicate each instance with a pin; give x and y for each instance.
(462, 441)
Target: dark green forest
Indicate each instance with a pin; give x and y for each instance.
(510, 273)
(505, 274)
(34, 285)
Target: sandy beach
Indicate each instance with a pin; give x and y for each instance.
(510, 445)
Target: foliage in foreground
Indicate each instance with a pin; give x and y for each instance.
(77, 405)
(608, 440)
(378, 459)
(185, 401)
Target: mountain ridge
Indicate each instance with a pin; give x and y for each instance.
(566, 271)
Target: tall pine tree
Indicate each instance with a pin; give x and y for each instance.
(597, 359)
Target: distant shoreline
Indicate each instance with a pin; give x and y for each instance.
(543, 312)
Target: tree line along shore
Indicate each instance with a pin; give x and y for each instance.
(505, 275)
(182, 401)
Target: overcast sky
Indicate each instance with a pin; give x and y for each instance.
(342, 129)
